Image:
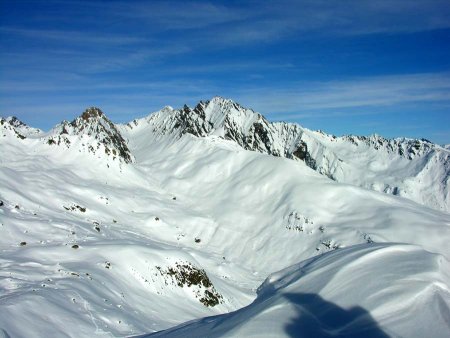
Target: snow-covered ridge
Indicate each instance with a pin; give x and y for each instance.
(92, 132)
(13, 125)
(411, 168)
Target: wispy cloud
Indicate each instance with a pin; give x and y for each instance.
(302, 99)
(238, 66)
(271, 21)
(182, 14)
(219, 25)
(209, 26)
(363, 16)
(88, 62)
(354, 97)
(73, 37)
(445, 135)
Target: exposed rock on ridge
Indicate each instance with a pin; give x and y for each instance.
(20, 129)
(94, 124)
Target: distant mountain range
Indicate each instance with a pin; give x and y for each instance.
(415, 169)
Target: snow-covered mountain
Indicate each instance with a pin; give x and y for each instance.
(13, 125)
(415, 169)
(92, 132)
(100, 133)
(190, 223)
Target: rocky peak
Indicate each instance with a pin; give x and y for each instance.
(10, 125)
(92, 112)
(229, 120)
(19, 128)
(93, 120)
(15, 122)
(407, 148)
(94, 124)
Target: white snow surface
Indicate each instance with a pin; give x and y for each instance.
(346, 293)
(376, 261)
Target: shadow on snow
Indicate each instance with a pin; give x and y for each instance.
(317, 317)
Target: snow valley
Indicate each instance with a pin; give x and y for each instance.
(216, 217)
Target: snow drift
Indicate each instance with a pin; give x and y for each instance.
(378, 290)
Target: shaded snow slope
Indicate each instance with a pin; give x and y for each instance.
(377, 290)
(415, 169)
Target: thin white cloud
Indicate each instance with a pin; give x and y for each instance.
(89, 61)
(182, 14)
(211, 26)
(73, 36)
(344, 17)
(221, 67)
(273, 21)
(363, 16)
(302, 98)
(307, 99)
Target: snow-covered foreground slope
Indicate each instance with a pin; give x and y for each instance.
(377, 290)
(185, 227)
(85, 250)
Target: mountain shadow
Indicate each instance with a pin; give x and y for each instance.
(319, 318)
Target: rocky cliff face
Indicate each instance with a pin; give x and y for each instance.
(228, 119)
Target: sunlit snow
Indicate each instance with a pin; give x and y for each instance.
(93, 243)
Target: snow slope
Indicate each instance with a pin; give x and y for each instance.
(94, 244)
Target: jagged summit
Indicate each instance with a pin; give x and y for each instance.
(404, 147)
(15, 122)
(93, 124)
(92, 121)
(91, 112)
(12, 124)
(229, 120)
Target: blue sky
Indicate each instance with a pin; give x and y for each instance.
(346, 67)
